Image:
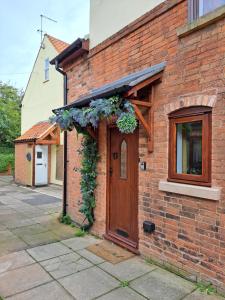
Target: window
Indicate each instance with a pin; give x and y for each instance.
(46, 69)
(198, 8)
(123, 160)
(39, 154)
(190, 146)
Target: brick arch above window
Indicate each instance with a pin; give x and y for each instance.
(190, 101)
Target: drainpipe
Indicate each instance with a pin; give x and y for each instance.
(65, 90)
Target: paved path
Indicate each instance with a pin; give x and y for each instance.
(28, 218)
(66, 270)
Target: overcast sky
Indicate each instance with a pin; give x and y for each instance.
(19, 40)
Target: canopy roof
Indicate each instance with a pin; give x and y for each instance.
(119, 86)
(41, 133)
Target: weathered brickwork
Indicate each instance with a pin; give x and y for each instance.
(23, 168)
(190, 232)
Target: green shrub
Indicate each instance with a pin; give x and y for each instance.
(65, 219)
(6, 150)
(6, 159)
(80, 232)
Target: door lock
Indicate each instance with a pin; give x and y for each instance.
(110, 171)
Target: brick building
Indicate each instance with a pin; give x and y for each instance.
(173, 59)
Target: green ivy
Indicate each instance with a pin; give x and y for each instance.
(80, 118)
(88, 183)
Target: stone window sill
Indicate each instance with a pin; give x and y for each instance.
(190, 190)
(202, 22)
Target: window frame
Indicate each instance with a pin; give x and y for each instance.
(194, 10)
(186, 115)
(46, 69)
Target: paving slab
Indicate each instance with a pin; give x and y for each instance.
(163, 285)
(22, 279)
(122, 294)
(90, 256)
(49, 291)
(65, 265)
(15, 260)
(197, 295)
(48, 251)
(128, 269)
(41, 238)
(79, 243)
(89, 284)
(29, 230)
(12, 245)
(40, 199)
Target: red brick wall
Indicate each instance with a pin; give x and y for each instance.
(21, 164)
(190, 232)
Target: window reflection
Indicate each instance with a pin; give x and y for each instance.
(123, 160)
(189, 148)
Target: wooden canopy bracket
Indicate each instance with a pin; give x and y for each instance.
(149, 123)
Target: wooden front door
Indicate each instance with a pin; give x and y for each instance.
(123, 191)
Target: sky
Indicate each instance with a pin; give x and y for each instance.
(19, 39)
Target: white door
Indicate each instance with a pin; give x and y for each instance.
(41, 165)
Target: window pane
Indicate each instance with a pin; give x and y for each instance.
(39, 154)
(123, 160)
(205, 6)
(189, 148)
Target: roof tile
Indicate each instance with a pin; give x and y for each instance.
(34, 132)
(58, 44)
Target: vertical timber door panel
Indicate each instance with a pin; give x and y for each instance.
(123, 194)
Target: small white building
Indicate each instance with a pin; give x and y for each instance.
(39, 155)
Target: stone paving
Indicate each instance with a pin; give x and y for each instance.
(29, 218)
(63, 269)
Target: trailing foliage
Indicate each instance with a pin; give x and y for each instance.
(10, 102)
(113, 108)
(98, 109)
(88, 183)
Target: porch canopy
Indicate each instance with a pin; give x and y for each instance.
(127, 87)
(42, 133)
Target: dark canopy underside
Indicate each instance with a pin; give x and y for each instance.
(119, 86)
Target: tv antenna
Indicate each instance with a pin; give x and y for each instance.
(41, 29)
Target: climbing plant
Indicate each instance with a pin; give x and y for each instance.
(113, 108)
(88, 170)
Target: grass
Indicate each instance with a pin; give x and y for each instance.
(124, 283)
(80, 233)
(206, 288)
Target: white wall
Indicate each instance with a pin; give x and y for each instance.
(109, 16)
(40, 96)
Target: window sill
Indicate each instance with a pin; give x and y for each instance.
(202, 22)
(190, 190)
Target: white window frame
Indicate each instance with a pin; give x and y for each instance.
(46, 69)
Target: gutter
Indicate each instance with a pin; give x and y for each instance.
(65, 91)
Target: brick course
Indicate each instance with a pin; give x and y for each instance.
(190, 232)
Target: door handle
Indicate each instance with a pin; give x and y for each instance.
(110, 171)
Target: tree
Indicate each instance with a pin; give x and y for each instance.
(10, 114)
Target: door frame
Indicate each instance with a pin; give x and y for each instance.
(133, 247)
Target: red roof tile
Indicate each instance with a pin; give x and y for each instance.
(58, 44)
(35, 132)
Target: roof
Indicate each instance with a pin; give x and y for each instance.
(119, 86)
(78, 47)
(58, 44)
(35, 132)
